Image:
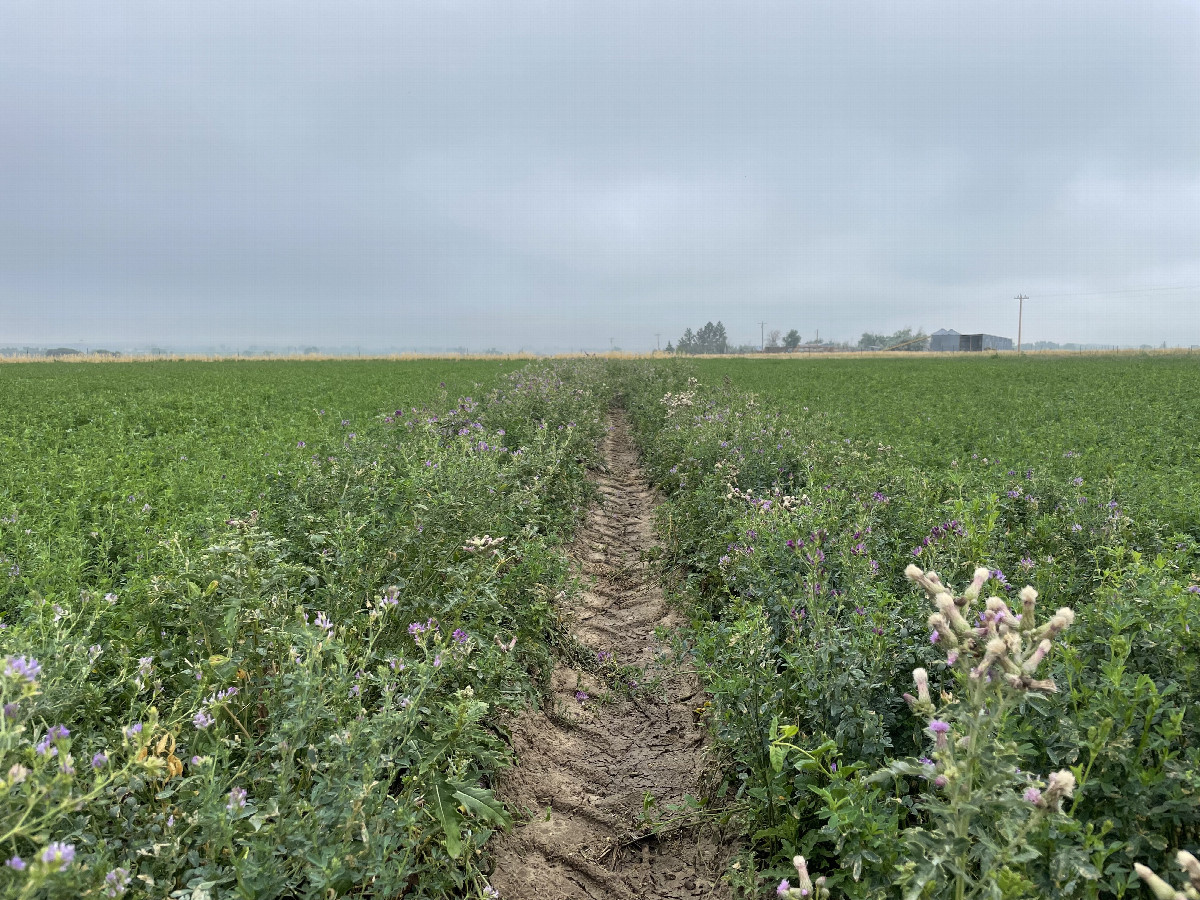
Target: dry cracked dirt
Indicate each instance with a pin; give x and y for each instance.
(585, 768)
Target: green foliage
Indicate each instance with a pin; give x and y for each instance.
(298, 699)
(787, 528)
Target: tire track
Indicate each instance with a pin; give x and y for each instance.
(584, 772)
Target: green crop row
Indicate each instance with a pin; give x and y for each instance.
(793, 536)
(1129, 425)
(277, 671)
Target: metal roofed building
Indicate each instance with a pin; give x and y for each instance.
(947, 340)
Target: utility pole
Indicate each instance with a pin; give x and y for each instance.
(762, 341)
(1021, 298)
(657, 335)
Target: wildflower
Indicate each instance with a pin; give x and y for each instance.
(940, 729)
(1077, 481)
(1034, 796)
(1076, 527)
(10, 710)
(1059, 786)
(300, 445)
(197, 760)
(44, 748)
(437, 660)
(24, 667)
(459, 636)
(145, 664)
(16, 864)
(933, 637)
(202, 720)
(237, 800)
(133, 730)
(581, 696)
(490, 892)
(59, 853)
(322, 621)
(115, 882)
(99, 760)
(784, 887)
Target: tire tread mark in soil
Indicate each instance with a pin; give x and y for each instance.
(583, 782)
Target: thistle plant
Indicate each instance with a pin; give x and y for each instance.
(982, 808)
(805, 888)
(1163, 890)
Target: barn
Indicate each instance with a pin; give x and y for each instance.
(947, 340)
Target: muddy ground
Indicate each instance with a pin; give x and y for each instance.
(586, 767)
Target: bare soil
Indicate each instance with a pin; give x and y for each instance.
(587, 768)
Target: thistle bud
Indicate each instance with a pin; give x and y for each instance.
(947, 607)
(1190, 866)
(1159, 888)
(976, 585)
(913, 572)
(803, 882)
(921, 678)
(1035, 658)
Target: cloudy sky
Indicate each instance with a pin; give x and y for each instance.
(562, 175)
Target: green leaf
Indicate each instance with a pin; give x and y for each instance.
(446, 811)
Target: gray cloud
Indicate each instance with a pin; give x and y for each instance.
(555, 175)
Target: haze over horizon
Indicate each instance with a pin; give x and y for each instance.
(559, 176)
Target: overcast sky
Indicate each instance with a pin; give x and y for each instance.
(559, 175)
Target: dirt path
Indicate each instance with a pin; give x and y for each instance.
(584, 772)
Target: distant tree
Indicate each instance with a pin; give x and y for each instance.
(773, 337)
(792, 339)
(912, 340)
(670, 349)
(62, 351)
(709, 339)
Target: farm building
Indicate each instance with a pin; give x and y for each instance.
(948, 340)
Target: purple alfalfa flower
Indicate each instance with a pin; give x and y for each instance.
(145, 665)
(459, 636)
(581, 696)
(133, 730)
(1076, 527)
(322, 621)
(45, 748)
(25, 667)
(237, 800)
(437, 660)
(115, 882)
(15, 863)
(63, 854)
(1077, 481)
(197, 760)
(99, 760)
(10, 710)
(58, 733)
(1194, 589)
(300, 445)
(202, 720)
